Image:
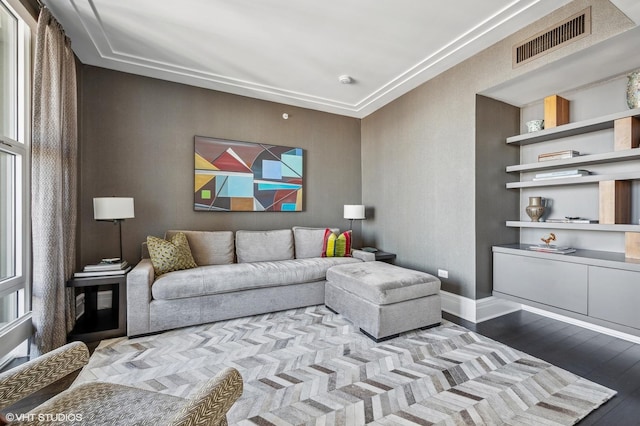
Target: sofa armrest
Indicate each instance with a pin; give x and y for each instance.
(139, 282)
(363, 255)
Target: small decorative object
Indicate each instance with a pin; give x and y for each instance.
(535, 209)
(556, 111)
(535, 125)
(547, 240)
(633, 90)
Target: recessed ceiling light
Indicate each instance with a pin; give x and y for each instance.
(345, 79)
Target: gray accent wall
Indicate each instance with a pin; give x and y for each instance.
(495, 121)
(137, 141)
(421, 156)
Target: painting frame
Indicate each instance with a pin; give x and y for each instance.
(234, 176)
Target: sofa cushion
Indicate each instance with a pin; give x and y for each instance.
(263, 246)
(172, 255)
(336, 245)
(208, 280)
(209, 247)
(309, 241)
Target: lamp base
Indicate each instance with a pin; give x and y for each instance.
(119, 223)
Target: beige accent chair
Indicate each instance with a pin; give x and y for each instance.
(97, 403)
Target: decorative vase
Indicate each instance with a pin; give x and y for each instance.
(633, 90)
(535, 209)
(535, 125)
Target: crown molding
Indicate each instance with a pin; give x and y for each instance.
(93, 46)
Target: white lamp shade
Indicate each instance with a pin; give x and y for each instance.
(111, 208)
(353, 211)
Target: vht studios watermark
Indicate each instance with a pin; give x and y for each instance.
(44, 417)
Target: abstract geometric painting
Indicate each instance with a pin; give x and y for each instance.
(245, 176)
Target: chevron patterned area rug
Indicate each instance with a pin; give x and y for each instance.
(312, 367)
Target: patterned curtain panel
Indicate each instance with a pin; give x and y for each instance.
(53, 182)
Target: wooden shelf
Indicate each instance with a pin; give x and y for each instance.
(607, 157)
(572, 129)
(575, 226)
(574, 181)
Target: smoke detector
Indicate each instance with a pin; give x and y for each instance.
(345, 79)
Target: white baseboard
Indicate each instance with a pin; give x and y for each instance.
(583, 324)
(491, 307)
(476, 310)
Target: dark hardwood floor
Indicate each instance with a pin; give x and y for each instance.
(606, 360)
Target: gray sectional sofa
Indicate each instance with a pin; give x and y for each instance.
(241, 274)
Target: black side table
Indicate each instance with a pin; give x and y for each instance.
(385, 256)
(101, 324)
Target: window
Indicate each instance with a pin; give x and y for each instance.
(7, 216)
(8, 71)
(15, 71)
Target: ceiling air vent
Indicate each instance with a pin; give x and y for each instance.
(567, 31)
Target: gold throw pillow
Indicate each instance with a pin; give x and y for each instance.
(167, 256)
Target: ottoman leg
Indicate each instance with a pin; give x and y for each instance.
(430, 326)
(331, 309)
(382, 339)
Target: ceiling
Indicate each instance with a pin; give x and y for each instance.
(293, 52)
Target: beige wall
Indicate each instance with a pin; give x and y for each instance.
(420, 170)
(136, 140)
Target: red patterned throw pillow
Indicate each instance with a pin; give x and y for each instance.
(336, 245)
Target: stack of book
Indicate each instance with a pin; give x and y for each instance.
(571, 220)
(106, 267)
(561, 174)
(559, 155)
(552, 249)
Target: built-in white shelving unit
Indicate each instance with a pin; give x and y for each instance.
(598, 283)
(595, 286)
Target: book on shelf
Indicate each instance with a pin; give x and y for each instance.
(101, 273)
(561, 174)
(559, 155)
(571, 220)
(572, 172)
(552, 249)
(106, 266)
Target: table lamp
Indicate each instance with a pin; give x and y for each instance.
(113, 209)
(353, 212)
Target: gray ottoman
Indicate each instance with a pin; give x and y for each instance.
(383, 300)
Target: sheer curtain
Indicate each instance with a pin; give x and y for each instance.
(53, 183)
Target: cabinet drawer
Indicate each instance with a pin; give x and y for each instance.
(614, 295)
(554, 283)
